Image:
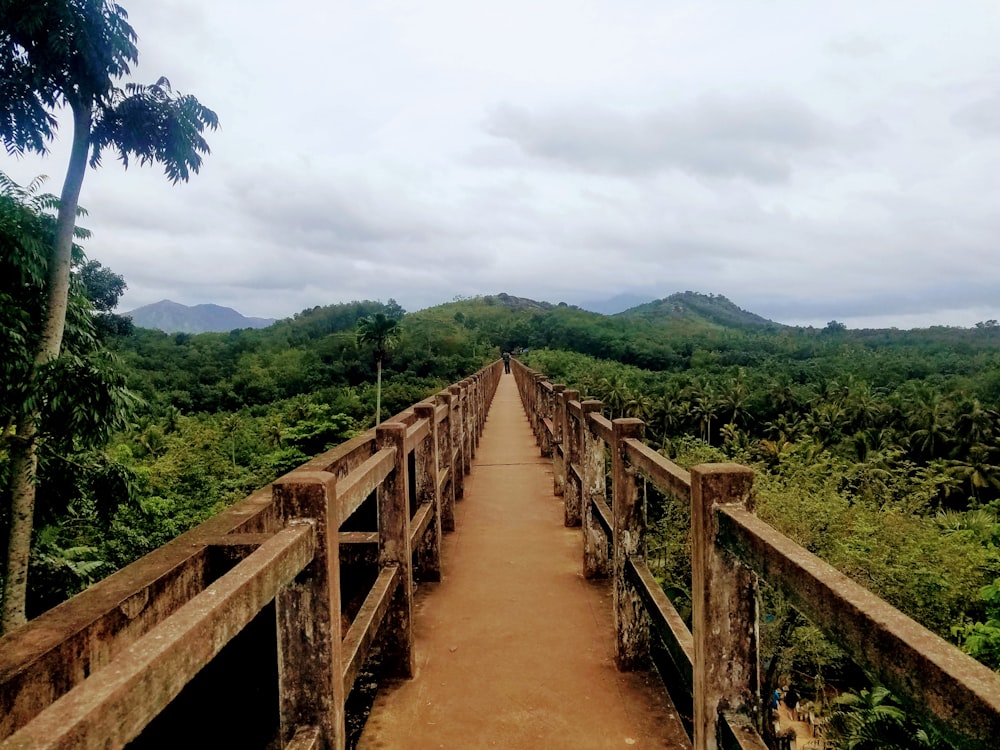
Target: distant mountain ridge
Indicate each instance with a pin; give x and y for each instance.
(684, 309)
(173, 317)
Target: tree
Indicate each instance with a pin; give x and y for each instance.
(981, 640)
(870, 720)
(104, 288)
(835, 326)
(56, 53)
(382, 333)
(75, 401)
(614, 391)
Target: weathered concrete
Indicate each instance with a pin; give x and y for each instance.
(515, 648)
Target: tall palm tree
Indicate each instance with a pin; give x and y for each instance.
(931, 422)
(55, 53)
(705, 406)
(614, 391)
(733, 397)
(974, 423)
(382, 333)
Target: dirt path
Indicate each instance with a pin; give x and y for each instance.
(514, 647)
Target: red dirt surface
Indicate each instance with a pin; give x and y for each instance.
(515, 649)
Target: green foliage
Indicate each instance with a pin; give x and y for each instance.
(74, 52)
(876, 450)
(981, 640)
(871, 720)
(872, 448)
(60, 570)
(697, 309)
(78, 399)
(380, 332)
(51, 52)
(152, 124)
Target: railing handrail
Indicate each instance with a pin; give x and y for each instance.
(47, 664)
(919, 666)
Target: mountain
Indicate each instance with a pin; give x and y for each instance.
(174, 317)
(697, 307)
(516, 303)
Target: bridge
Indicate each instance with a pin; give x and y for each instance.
(477, 554)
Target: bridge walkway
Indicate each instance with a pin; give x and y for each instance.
(514, 646)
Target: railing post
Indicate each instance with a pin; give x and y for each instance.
(545, 412)
(558, 412)
(458, 440)
(724, 598)
(447, 453)
(310, 679)
(426, 481)
(472, 420)
(595, 541)
(631, 620)
(538, 412)
(480, 407)
(394, 549)
(571, 457)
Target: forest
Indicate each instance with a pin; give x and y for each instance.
(874, 449)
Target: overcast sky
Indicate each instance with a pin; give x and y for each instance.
(809, 160)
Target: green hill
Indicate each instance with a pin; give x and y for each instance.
(694, 307)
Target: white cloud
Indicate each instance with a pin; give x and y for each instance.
(808, 161)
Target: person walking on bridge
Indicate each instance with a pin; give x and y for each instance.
(506, 363)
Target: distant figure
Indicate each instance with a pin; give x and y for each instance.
(506, 363)
(791, 700)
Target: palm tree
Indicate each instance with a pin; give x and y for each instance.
(231, 424)
(639, 406)
(55, 52)
(615, 393)
(668, 414)
(864, 406)
(976, 470)
(870, 720)
(704, 407)
(382, 332)
(931, 423)
(975, 424)
(733, 397)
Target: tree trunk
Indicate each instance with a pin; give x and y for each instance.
(62, 253)
(24, 462)
(24, 455)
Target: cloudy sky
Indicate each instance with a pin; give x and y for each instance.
(809, 160)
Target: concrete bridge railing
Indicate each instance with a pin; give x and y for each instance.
(262, 617)
(716, 663)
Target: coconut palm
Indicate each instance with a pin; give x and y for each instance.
(381, 332)
(974, 423)
(733, 398)
(704, 407)
(615, 393)
(931, 423)
(977, 470)
(870, 720)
